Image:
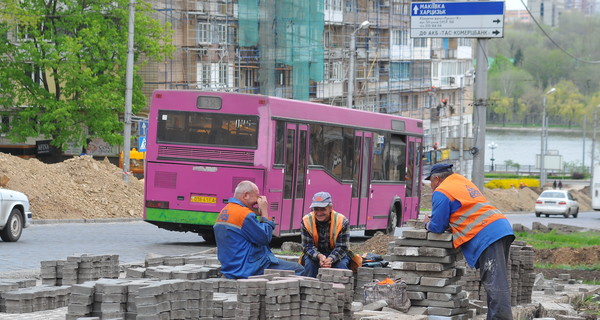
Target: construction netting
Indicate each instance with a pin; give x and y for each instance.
(288, 35)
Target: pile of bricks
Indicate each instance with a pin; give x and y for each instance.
(185, 272)
(522, 258)
(197, 259)
(33, 299)
(108, 298)
(428, 263)
(276, 295)
(343, 286)
(522, 276)
(79, 269)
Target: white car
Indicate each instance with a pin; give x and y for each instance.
(14, 214)
(556, 202)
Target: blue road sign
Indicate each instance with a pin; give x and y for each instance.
(142, 144)
(143, 128)
(483, 19)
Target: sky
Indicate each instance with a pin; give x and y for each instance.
(514, 5)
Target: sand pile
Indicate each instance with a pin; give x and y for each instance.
(78, 188)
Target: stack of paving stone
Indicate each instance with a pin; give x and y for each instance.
(224, 305)
(198, 259)
(175, 299)
(7, 285)
(251, 295)
(343, 286)
(317, 299)
(427, 262)
(282, 299)
(33, 299)
(187, 272)
(110, 298)
(522, 258)
(522, 276)
(78, 269)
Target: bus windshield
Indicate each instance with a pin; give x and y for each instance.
(203, 128)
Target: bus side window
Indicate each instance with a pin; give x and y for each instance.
(279, 143)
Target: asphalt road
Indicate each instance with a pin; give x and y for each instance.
(132, 241)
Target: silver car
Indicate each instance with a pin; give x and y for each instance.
(14, 214)
(556, 202)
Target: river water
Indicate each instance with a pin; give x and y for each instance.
(522, 147)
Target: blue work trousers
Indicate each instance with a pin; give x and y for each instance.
(287, 265)
(311, 267)
(495, 279)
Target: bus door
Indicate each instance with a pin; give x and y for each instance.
(360, 178)
(413, 178)
(294, 188)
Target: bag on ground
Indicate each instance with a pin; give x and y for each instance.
(392, 291)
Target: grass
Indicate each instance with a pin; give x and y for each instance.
(558, 240)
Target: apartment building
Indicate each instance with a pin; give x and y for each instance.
(348, 53)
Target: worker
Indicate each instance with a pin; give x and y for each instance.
(243, 239)
(325, 238)
(481, 231)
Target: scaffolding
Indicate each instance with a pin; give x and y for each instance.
(301, 49)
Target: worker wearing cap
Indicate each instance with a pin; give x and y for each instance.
(325, 238)
(481, 231)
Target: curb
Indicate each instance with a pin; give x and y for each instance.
(110, 220)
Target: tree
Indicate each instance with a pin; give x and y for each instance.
(62, 68)
(501, 106)
(567, 102)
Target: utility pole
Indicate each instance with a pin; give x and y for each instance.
(128, 94)
(460, 127)
(593, 162)
(480, 112)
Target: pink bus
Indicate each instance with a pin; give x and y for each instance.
(200, 145)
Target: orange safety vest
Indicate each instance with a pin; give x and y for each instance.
(337, 223)
(475, 212)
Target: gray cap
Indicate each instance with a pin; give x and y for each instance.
(321, 200)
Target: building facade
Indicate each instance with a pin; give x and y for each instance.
(351, 53)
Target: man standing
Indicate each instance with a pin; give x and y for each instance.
(325, 238)
(243, 240)
(478, 228)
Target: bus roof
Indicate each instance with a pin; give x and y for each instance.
(295, 110)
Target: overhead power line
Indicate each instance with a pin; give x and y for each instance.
(554, 42)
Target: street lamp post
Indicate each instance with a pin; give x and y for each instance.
(544, 141)
(351, 71)
(593, 162)
(492, 146)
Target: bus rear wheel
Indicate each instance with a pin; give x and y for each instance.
(208, 236)
(392, 222)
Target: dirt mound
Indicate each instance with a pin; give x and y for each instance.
(78, 188)
(377, 244)
(515, 200)
(568, 256)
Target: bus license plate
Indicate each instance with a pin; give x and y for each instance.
(203, 199)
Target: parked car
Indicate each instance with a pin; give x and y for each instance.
(14, 214)
(556, 202)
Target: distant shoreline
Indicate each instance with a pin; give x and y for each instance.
(523, 129)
